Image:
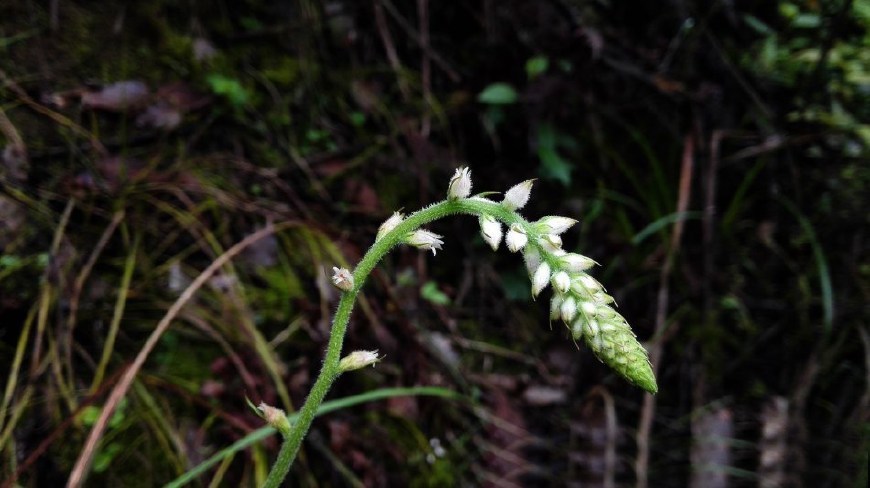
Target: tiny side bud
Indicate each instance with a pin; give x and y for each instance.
(358, 359)
(275, 417)
(342, 279)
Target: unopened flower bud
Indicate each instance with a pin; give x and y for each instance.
(554, 224)
(491, 231)
(516, 238)
(561, 281)
(460, 184)
(532, 258)
(556, 306)
(574, 263)
(551, 242)
(589, 308)
(342, 279)
(357, 360)
(275, 417)
(425, 240)
(585, 285)
(517, 197)
(389, 225)
(540, 279)
(568, 309)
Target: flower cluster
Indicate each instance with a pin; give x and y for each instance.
(578, 298)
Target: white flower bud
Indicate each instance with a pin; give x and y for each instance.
(425, 240)
(358, 359)
(532, 258)
(561, 281)
(540, 279)
(554, 224)
(585, 284)
(389, 225)
(577, 328)
(589, 308)
(342, 279)
(551, 242)
(569, 309)
(516, 238)
(517, 197)
(574, 263)
(556, 306)
(491, 231)
(460, 184)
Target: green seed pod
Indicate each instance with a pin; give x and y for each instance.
(613, 342)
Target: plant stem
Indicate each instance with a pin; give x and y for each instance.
(330, 371)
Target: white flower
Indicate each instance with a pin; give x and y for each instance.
(491, 231)
(358, 359)
(551, 242)
(589, 308)
(554, 224)
(517, 197)
(342, 279)
(425, 240)
(561, 281)
(569, 309)
(516, 238)
(555, 306)
(540, 279)
(389, 225)
(532, 258)
(574, 263)
(460, 184)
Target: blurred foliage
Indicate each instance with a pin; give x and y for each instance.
(332, 115)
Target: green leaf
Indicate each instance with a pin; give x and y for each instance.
(431, 293)
(553, 167)
(230, 88)
(498, 94)
(536, 66)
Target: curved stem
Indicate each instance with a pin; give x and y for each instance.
(330, 371)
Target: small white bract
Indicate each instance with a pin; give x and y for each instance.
(342, 279)
(389, 224)
(425, 240)
(491, 231)
(568, 309)
(517, 197)
(460, 184)
(516, 238)
(551, 242)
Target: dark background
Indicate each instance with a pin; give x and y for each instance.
(715, 153)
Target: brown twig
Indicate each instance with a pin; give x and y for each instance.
(83, 463)
(390, 48)
(644, 428)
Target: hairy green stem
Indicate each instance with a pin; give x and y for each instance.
(330, 370)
